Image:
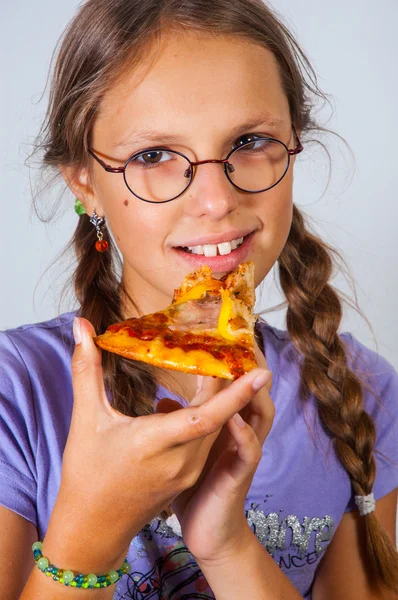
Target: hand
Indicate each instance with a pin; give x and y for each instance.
(119, 472)
(211, 513)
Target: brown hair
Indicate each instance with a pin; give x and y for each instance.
(104, 36)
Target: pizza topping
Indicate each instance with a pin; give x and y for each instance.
(227, 311)
(198, 291)
(232, 354)
(196, 315)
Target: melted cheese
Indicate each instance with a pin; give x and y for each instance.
(227, 312)
(198, 291)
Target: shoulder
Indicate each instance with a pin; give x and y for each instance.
(35, 378)
(35, 404)
(369, 365)
(379, 382)
(378, 378)
(374, 371)
(34, 360)
(39, 341)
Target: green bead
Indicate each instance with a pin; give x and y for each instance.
(79, 208)
(92, 579)
(43, 563)
(68, 576)
(126, 567)
(113, 576)
(37, 546)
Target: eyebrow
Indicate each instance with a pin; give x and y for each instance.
(157, 136)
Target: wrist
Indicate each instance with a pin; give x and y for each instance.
(75, 553)
(76, 542)
(237, 547)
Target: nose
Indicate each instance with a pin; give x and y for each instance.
(210, 193)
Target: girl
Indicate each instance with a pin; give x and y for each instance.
(263, 489)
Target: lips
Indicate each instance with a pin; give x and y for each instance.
(212, 250)
(212, 240)
(219, 263)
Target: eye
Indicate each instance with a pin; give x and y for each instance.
(245, 139)
(151, 158)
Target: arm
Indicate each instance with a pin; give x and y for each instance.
(16, 561)
(77, 542)
(20, 578)
(342, 571)
(248, 572)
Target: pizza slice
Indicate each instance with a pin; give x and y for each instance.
(208, 329)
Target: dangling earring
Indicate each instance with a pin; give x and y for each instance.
(101, 245)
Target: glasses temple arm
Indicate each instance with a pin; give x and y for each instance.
(107, 168)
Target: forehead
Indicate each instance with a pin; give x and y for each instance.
(190, 81)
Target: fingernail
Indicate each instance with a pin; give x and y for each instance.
(239, 421)
(77, 331)
(261, 380)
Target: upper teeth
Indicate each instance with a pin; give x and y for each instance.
(213, 249)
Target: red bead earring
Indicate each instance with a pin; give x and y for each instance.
(100, 245)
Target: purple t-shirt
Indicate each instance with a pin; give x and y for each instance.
(298, 495)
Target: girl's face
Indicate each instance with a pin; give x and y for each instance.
(200, 91)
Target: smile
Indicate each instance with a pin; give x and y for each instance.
(210, 250)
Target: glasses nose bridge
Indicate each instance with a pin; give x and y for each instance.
(224, 161)
(215, 160)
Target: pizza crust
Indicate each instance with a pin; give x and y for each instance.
(197, 362)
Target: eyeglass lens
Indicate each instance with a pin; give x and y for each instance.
(161, 175)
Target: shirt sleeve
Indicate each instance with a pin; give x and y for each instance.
(380, 388)
(18, 480)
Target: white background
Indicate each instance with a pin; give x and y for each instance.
(354, 49)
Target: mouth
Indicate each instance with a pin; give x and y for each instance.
(221, 258)
(211, 250)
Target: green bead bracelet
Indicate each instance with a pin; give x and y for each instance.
(68, 578)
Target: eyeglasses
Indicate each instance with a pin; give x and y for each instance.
(160, 175)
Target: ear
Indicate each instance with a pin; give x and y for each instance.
(79, 182)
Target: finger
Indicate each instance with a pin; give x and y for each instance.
(87, 376)
(248, 449)
(208, 387)
(261, 361)
(197, 422)
(167, 405)
(260, 413)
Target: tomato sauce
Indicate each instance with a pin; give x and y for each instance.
(147, 329)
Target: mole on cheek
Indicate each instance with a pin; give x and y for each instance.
(126, 203)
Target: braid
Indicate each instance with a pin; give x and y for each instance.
(130, 384)
(313, 318)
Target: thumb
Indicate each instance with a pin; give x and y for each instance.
(87, 376)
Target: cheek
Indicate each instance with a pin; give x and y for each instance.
(135, 228)
(139, 228)
(277, 212)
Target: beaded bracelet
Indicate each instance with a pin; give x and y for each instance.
(68, 578)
